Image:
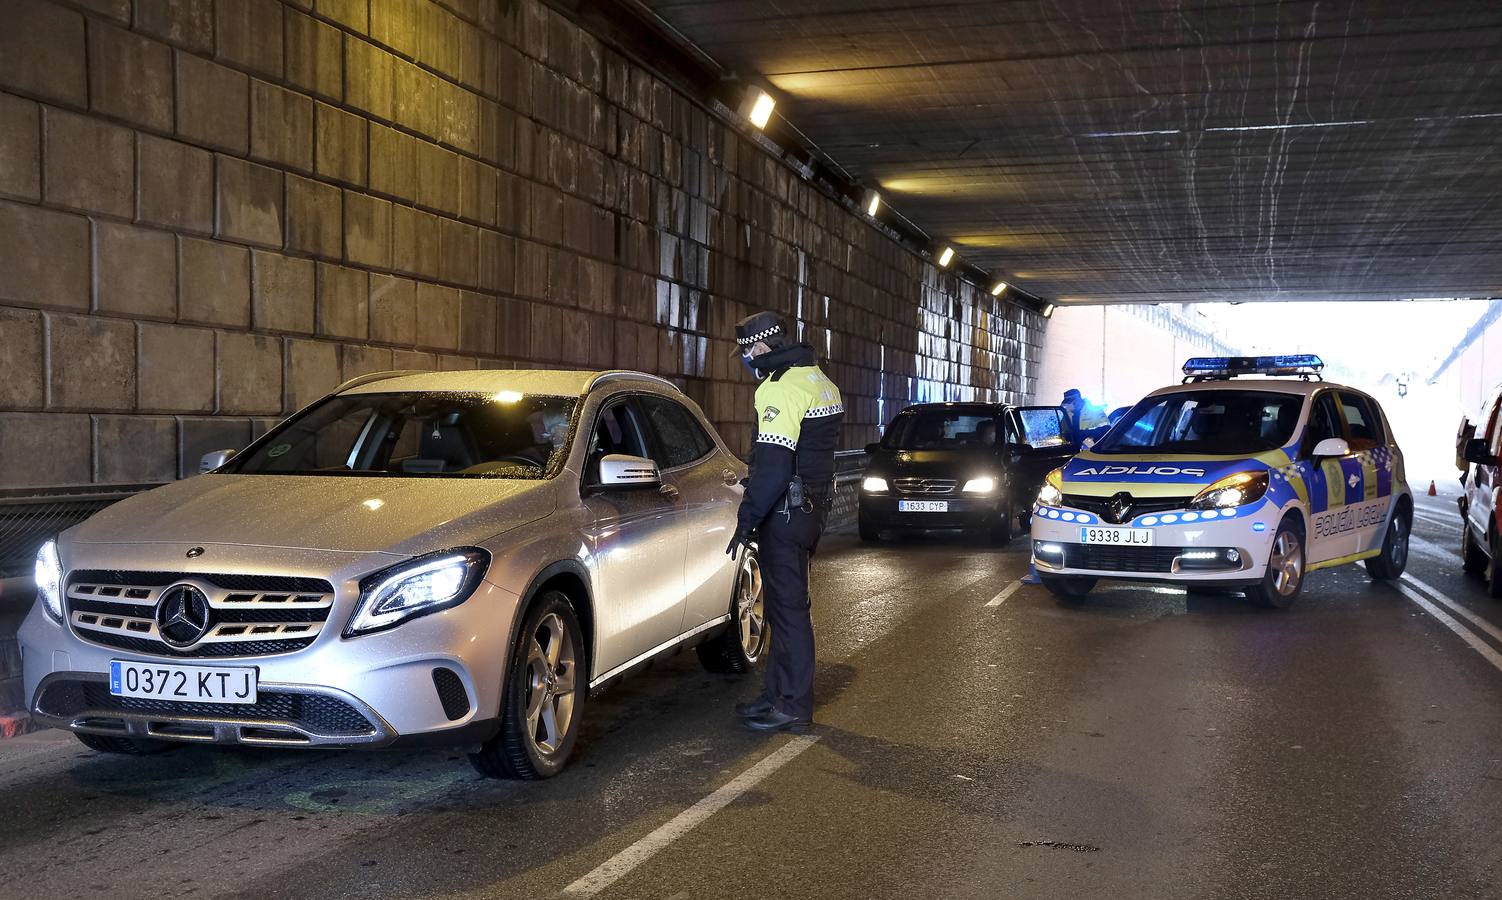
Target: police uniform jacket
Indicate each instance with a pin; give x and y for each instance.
(798, 416)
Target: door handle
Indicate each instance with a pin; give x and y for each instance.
(731, 479)
(668, 491)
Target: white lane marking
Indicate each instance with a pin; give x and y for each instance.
(619, 865)
(1456, 607)
(1006, 592)
(1437, 520)
(1431, 548)
(1470, 637)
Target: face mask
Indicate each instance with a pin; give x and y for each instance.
(750, 367)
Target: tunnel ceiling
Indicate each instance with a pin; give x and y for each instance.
(1112, 151)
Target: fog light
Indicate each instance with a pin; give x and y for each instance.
(1049, 550)
(1232, 556)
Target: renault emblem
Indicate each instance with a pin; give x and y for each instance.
(182, 615)
(1121, 506)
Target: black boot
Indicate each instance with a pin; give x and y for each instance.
(758, 707)
(776, 720)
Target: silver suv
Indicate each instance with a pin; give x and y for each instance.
(454, 558)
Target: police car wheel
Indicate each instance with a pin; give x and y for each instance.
(1284, 577)
(1067, 588)
(126, 746)
(1472, 557)
(737, 649)
(543, 698)
(1393, 559)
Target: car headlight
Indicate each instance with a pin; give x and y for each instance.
(417, 587)
(1233, 490)
(1052, 492)
(49, 580)
(873, 485)
(982, 485)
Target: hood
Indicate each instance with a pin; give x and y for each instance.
(935, 463)
(395, 515)
(1156, 475)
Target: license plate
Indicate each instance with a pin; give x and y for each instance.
(189, 684)
(1126, 537)
(923, 506)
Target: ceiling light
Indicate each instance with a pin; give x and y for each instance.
(946, 257)
(873, 203)
(1000, 286)
(1047, 310)
(759, 106)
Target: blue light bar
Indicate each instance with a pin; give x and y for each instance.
(1291, 364)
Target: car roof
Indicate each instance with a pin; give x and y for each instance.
(555, 382)
(955, 404)
(1274, 385)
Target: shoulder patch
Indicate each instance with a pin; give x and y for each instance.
(771, 413)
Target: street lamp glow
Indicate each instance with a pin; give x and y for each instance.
(761, 109)
(946, 257)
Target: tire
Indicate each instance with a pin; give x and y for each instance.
(1393, 559)
(867, 528)
(738, 649)
(1284, 578)
(1001, 530)
(543, 699)
(1068, 588)
(1472, 557)
(124, 746)
(1494, 572)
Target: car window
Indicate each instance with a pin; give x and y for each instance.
(1042, 426)
(616, 431)
(1363, 422)
(940, 429)
(1206, 422)
(1324, 422)
(418, 433)
(680, 438)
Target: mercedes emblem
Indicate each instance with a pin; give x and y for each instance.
(182, 615)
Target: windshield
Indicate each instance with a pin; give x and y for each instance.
(419, 434)
(1206, 422)
(940, 429)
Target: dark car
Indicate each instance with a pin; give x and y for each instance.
(961, 466)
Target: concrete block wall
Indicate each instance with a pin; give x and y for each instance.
(212, 211)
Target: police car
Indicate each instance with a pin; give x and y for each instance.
(1250, 474)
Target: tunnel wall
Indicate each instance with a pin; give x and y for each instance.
(211, 213)
(1116, 355)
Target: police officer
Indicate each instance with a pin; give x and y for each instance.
(786, 502)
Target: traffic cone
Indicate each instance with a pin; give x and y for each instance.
(1432, 491)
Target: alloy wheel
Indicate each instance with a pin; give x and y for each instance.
(551, 685)
(1398, 535)
(1286, 563)
(750, 613)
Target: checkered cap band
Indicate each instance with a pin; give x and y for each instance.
(759, 336)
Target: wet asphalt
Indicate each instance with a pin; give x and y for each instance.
(1146, 743)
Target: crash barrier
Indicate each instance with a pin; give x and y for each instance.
(28, 518)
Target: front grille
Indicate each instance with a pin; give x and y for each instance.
(1141, 506)
(1158, 560)
(317, 713)
(924, 485)
(249, 615)
(451, 693)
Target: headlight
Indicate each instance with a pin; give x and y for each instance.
(417, 587)
(1233, 490)
(1052, 492)
(49, 580)
(874, 485)
(982, 485)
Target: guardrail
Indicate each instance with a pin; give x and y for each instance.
(28, 518)
(849, 466)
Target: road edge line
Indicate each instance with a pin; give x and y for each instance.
(621, 864)
(1006, 592)
(1455, 606)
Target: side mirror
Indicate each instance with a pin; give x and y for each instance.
(214, 459)
(617, 471)
(1476, 452)
(872, 448)
(1332, 447)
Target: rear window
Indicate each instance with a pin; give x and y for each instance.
(1206, 423)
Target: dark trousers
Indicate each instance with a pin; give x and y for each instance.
(786, 542)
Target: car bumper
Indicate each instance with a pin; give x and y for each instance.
(1218, 551)
(961, 512)
(374, 690)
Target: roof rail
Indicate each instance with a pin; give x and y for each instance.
(619, 374)
(368, 377)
